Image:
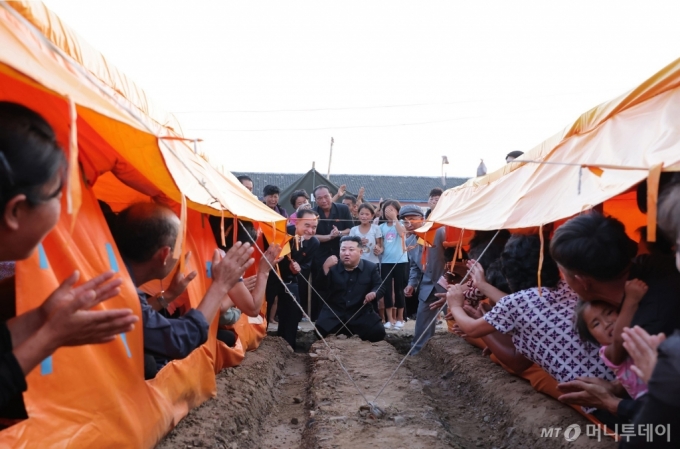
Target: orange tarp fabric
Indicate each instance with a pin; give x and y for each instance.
(82, 393)
(95, 396)
(620, 140)
(129, 143)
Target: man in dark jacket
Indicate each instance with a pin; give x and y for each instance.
(293, 268)
(350, 286)
(335, 221)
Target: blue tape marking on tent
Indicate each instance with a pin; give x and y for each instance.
(125, 343)
(46, 366)
(208, 269)
(112, 258)
(42, 257)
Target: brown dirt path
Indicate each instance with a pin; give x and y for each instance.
(447, 396)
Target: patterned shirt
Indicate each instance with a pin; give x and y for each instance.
(542, 329)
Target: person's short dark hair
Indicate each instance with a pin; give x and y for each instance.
(304, 212)
(594, 245)
(352, 238)
(352, 198)
(297, 194)
(494, 276)
(30, 156)
(142, 229)
(368, 206)
(520, 260)
(271, 190)
(242, 178)
(479, 243)
(321, 186)
(514, 154)
(436, 192)
(668, 213)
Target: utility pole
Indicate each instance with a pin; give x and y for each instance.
(330, 158)
(445, 161)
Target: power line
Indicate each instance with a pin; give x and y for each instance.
(347, 108)
(334, 127)
(246, 111)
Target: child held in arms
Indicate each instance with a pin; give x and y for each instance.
(599, 322)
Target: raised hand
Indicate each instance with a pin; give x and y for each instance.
(228, 270)
(455, 295)
(69, 325)
(103, 287)
(635, 290)
(179, 282)
(642, 348)
(270, 257)
(476, 273)
(330, 263)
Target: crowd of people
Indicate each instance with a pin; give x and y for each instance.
(583, 303)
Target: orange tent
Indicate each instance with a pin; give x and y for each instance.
(121, 149)
(597, 159)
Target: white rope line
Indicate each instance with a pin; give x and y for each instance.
(335, 356)
(433, 320)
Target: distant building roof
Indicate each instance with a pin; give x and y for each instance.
(402, 188)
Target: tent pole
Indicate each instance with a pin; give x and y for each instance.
(313, 182)
(330, 157)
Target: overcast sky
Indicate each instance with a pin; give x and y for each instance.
(267, 84)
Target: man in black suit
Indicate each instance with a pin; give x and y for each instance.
(294, 267)
(351, 285)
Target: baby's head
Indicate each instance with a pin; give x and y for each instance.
(595, 322)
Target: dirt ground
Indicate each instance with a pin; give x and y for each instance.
(278, 399)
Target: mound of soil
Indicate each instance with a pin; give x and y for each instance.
(245, 396)
(470, 389)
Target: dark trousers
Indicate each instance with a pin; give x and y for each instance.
(289, 313)
(367, 325)
(303, 292)
(271, 291)
(317, 302)
(398, 272)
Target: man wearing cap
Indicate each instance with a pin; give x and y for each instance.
(424, 273)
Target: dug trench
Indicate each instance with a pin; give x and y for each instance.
(447, 396)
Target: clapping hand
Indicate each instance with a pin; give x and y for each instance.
(179, 282)
(642, 348)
